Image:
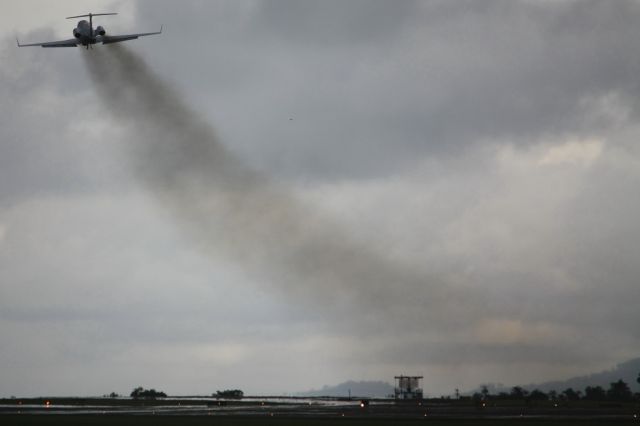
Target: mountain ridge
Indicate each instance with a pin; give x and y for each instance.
(627, 371)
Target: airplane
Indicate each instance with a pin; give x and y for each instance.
(84, 34)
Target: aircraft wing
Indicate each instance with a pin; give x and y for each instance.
(72, 42)
(107, 39)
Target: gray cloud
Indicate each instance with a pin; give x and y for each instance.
(479, 156)
(442, 77)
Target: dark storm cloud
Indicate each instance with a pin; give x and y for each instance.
(334, 22)
(436, 77)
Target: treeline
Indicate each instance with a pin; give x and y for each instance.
(618, 391)
(229, 394)
(140, 392)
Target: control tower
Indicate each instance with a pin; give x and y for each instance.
(408, 387)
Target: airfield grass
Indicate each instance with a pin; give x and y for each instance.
(156, 420)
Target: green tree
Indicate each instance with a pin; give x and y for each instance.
(485, 392)
(518, 393)
(595, 393)
(538, 395)
(571, 395)
(141, 392)
(230, 394)
(619, 391)
(137, 392)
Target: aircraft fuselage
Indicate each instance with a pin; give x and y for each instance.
(86, 35)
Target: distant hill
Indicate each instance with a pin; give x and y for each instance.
(373, 389)
(627, 371)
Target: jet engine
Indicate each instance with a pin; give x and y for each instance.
(76, 33)
(100, 30)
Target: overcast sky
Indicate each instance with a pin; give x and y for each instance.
(454, 186)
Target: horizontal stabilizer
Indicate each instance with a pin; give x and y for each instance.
(91, 14)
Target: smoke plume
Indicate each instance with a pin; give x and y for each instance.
(231, 210)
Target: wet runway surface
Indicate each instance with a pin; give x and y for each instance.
(316, 408)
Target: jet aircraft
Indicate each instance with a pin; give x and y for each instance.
(85, 35)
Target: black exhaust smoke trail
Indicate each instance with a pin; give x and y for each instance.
(234, 211)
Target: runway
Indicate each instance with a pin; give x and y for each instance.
(338, 409)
